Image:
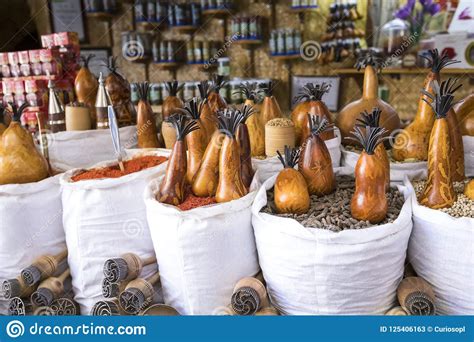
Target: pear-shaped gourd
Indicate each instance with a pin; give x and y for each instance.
(347, 117)
(254, 124)
(373, 120)
(118, 89)
(291, 189)
(270, 107)
(172, 102)
(85, 86)
(465, 114)
(369, 202)
(216, 102)
(208, 116)
(310, 102)
(20, 161)
(439, 190)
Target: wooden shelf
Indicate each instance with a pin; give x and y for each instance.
(100, 15)
(304, 9)
(203, 65)
(248, 42)
(404, 71)
(167, 64)
(184, 27)
(285, 57)
(150, 25)
(217, 12)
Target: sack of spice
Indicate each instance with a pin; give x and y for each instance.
(202, 251)
(30, 225)
(104, 216)
(271, 166)
(398, 170)
(332, 263)
(441, 250)
(81, 149)
(468, 142)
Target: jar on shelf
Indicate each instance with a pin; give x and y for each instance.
(393, 40)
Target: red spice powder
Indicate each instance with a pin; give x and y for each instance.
(131, 166)
(192, 202)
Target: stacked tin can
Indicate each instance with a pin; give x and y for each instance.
(247, 28)
(285, 42)
(151, 11)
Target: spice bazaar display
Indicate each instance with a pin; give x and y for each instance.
(362, 224)
(111, 216)
(347, 117)
(443, 216)
(212, 270)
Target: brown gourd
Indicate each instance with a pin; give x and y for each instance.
(315, 162)
(206, 179)
(457, 147)
(373, 120)
(172, 187)
(310, 101)
(86, 86)
(369, 202)
(347, 117)
(172, 103)
(412, 142)
(291, 191)
(118, 90)
(195, 140)
(469, 190)
(465, 114)
(270, 107)
(243, 138)
(439, 191)
(20, 161)
(208, 117)
(255, 128)
(230, 186)
(146, 126)
(215, 100)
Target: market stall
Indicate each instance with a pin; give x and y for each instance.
(239, 158)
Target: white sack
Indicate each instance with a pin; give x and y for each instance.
(202, 253)
(81, 149)
(441, 251)
(104, 219)
(30, 226)
(468, 155)
(271, 166)
(416, 170)
(320, 272)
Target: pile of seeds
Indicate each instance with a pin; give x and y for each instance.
(280, 122)
(358, 150)
(333, 212)
(463, 207)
